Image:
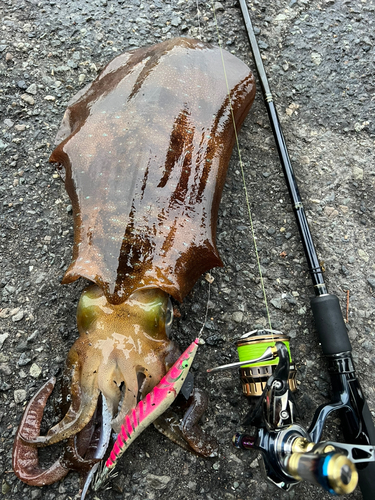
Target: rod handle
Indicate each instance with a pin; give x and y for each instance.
(330, 325)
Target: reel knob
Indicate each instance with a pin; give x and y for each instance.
(333, 471)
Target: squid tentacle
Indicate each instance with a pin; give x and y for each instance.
(25, 456)
(73, 459)
(191, 431)
(80, 412)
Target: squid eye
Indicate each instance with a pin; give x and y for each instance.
(154, 311)
(169, 318)
(91, 305)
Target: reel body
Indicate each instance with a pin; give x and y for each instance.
(291, 453)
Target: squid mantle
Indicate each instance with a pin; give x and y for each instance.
(145, 149)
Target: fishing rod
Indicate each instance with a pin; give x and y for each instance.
(290, 452)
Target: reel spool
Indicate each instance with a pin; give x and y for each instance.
(254, 376)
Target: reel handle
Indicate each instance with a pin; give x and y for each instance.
(333, 471)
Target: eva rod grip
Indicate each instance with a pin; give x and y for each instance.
(330, 324)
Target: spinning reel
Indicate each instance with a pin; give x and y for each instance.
(291, 453)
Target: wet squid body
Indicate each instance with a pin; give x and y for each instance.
(145, 149)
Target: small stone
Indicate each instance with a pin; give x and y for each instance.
(22, 346)
(21, 84)
(157, 482)
(237, 316)
(24, 359)
(18, 316)
(8, 123)
(39, 278)
(28, 98)
(3, 145)
(219, 6)
(371, 282)
(192, 485)
(176, 21)
(367, 346)
(50, 98)
(31, 89)
(330, 212)
(3, 338)
(344, 209)
(20, 395)
(357, 173)
(214, 340)
(20, 128)
(363, 255)
(5, 487)
(81, 77)
(33, 336)
(4, 313)
(353, 334)
(276, 303)
(216, 466)
(209, 278)
(35, 370)
(316, 58)
(280, 17)
(5, 368)
(2, 48)
(8, 57)
(4, 386)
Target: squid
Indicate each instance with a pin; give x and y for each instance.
(144, 151)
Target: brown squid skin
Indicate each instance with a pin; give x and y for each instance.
(145, 150)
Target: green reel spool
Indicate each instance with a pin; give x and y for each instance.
(254, 376)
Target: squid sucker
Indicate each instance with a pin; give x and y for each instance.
(145, 150)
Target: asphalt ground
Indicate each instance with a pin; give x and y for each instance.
(319, 56)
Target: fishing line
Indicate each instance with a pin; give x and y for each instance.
(247, 198)
(206, 313)
(199, 22)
